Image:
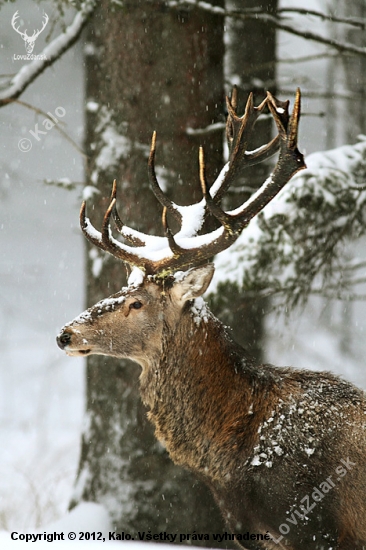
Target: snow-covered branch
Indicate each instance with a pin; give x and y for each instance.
(50, 54)
(212, 128)
(277, 21)
(352, 21)
(308, 35)
(47, 116)
(296, 247)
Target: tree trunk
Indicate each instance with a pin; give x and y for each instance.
(147, 68)
(250, 65)
(355, 74)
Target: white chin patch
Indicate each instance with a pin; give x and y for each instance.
(77, 352)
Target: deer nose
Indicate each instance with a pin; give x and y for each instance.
(63, 339)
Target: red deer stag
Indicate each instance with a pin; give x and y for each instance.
(283, 450)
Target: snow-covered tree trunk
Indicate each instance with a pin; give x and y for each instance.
(147, 68)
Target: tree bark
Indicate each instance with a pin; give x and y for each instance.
(250, 65)
(355, 74)
(147, 68)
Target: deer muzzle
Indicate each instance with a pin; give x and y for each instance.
(66, 341)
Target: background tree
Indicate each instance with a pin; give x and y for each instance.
(146, 68)
(251, 66)
(132, 51)
(355, 65)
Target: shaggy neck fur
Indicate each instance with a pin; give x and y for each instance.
(198, 392)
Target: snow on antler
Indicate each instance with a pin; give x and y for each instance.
(162, 255)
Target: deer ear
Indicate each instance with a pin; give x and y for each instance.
(193, 283)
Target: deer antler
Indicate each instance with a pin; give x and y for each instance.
(44, 23)
(13, 22)
(159, 255)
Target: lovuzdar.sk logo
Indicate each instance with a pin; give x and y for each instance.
(29, 41)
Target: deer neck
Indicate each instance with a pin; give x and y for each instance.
(198, 391)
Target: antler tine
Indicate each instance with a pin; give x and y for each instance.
(106, 229)
(117, 220)
(174, 247)
(213, 207)
(44, 23)
(263, 153)
(238, 133)
(106, 242)
(116, 248)
(234, 98)
(110, 244)
(164, 201)
(231, 105)
(294, 120)
(92, 235)
(287, 125)
(279, 111)
(290, 161)
(13, 22)
(133, 239)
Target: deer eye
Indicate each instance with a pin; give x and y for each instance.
(135, 305)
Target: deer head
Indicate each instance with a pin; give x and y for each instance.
(130, 323)
(29, 40)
